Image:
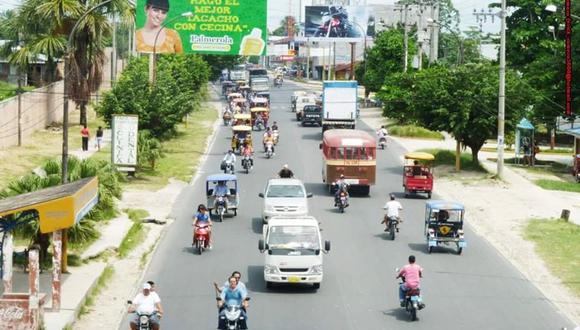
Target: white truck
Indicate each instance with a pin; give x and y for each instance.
(339, 104)
(238, 75)
(260, 84)
(293, 251)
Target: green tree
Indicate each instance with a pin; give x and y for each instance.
(219, 62)
(383, 59)
(179, 88)
(461, 101)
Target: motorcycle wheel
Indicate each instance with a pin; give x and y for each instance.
(199, 247)
(392, 231)
(413, 312)
(341, 208)
(430, 249)
(221, 214)
(247, 169)
(383, 146)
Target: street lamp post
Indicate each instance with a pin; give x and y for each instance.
(501, 101)
(364, 49)
(153, 58)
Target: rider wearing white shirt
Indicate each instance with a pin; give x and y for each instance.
(393, 207)
(382, 132)
(146, 302)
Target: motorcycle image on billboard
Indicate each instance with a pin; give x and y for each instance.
(336, 21)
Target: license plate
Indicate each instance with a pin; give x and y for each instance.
(293, 279)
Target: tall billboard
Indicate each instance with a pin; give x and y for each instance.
(225, 27)
(336, 23)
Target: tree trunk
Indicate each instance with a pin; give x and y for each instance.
(83, 114)
(474, 154)
(458, 156)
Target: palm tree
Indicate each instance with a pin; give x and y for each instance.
(42, 27)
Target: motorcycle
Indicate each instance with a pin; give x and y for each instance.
(392, 226)
(143, 319)
(334, 25)
(247, 163)
(220, 207)
(413, 301)
(342, 201)
(277, 82)
(201, 238)
(228, 167)
(269, 149)
(227, 117)
(259, 126)
(275, 136)
(383, 142)
(233, 316)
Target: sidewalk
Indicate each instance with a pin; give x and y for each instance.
(499, 210)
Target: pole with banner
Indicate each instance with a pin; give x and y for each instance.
(125, 130)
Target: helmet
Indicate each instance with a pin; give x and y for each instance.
(392, 196)
(342, 176)
(230, 151)
(285, 166)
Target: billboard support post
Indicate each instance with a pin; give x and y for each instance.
(307, 59)
(352, 51)
(334, 60)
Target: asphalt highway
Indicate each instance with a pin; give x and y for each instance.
(476, 290)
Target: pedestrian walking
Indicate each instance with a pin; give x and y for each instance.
(99, 139)
(85, 137)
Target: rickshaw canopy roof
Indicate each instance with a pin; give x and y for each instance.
(242, 116)
(259, 109)
(419, 156)
(245, 87)
(242, 128)
(221, 177)
(239, 99)
(260, 100)
(525, 124)
(444, 205)
(229, 83)
(234, 95)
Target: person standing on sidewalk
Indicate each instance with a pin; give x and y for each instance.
(99, 139)
(85, 137)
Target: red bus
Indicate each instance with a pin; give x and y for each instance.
(352, 153)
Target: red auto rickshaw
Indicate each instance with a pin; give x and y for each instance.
(418, 174)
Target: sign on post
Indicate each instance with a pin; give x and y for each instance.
(225, 27)
(124, 142)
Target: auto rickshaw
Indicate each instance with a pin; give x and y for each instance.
(239, 103)
(259, 102)
(242, 119)
(241, 134)
(263, 94)
(418, 174)
(264, 113)
(245, 90)
(221, 205)
(232, 96)
(444, 224)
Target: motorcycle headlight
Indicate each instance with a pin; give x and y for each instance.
(270, 269)
(143, 319)
(316, 269)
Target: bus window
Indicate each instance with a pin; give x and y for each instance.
(339, 153)
(367, 153)
(351, 152)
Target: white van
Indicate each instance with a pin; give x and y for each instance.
(284, 197)
(293, 251)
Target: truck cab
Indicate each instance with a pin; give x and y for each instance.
(301, 102)
(292, 248)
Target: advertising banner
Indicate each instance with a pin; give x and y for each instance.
(338, 23)
(225, 27)
(124, 141)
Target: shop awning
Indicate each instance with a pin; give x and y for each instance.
(58, 207)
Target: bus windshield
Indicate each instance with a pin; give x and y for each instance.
(293, 240)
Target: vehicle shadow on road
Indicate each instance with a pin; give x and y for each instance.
(418, 247)
(257, 225)
(313, 136)
(256, 283)
(317, 189)
(398, 313)
(384, 236)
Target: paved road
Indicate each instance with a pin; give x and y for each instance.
(477, 290)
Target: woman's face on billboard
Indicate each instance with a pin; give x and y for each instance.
(155, 16)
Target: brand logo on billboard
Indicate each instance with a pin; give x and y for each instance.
(11, 313)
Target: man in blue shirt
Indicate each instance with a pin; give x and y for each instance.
(232, 295)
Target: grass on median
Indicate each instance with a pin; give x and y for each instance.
(135, 234)
(558, 242)
(447, 157)
(558, 185)
(414, 132)
(99, 286)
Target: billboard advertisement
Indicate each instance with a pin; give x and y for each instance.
(125, 129)
(224, 27)
(335, 22)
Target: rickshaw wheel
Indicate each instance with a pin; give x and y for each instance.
(429, 195)
(430, 249)
(235, 212)
(459, 250)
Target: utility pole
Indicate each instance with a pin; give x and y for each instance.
(323, 63)
(114, 52)
(307, 58)
(334, 60)
(404, 15)
(19, 106)
(482, 16)
(352, 51)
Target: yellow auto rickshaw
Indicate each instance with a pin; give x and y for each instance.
(258, 112)
(242, 119)
(241, 134)
(232, 96)
(239, 105)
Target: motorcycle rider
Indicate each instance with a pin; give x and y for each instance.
(412, 274)
(230, 157)
(382, 133)
(238, 277)
(268, 137)
(341, 185)
(221, 190)
(274, 126)
(285, 172)
(146, 302)
(232, 295)
(247, 150)
(259, 120)
(202, 218)
(393, 207)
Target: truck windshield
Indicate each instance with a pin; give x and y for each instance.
(293, 240)
(285, 191)
(311, 109)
